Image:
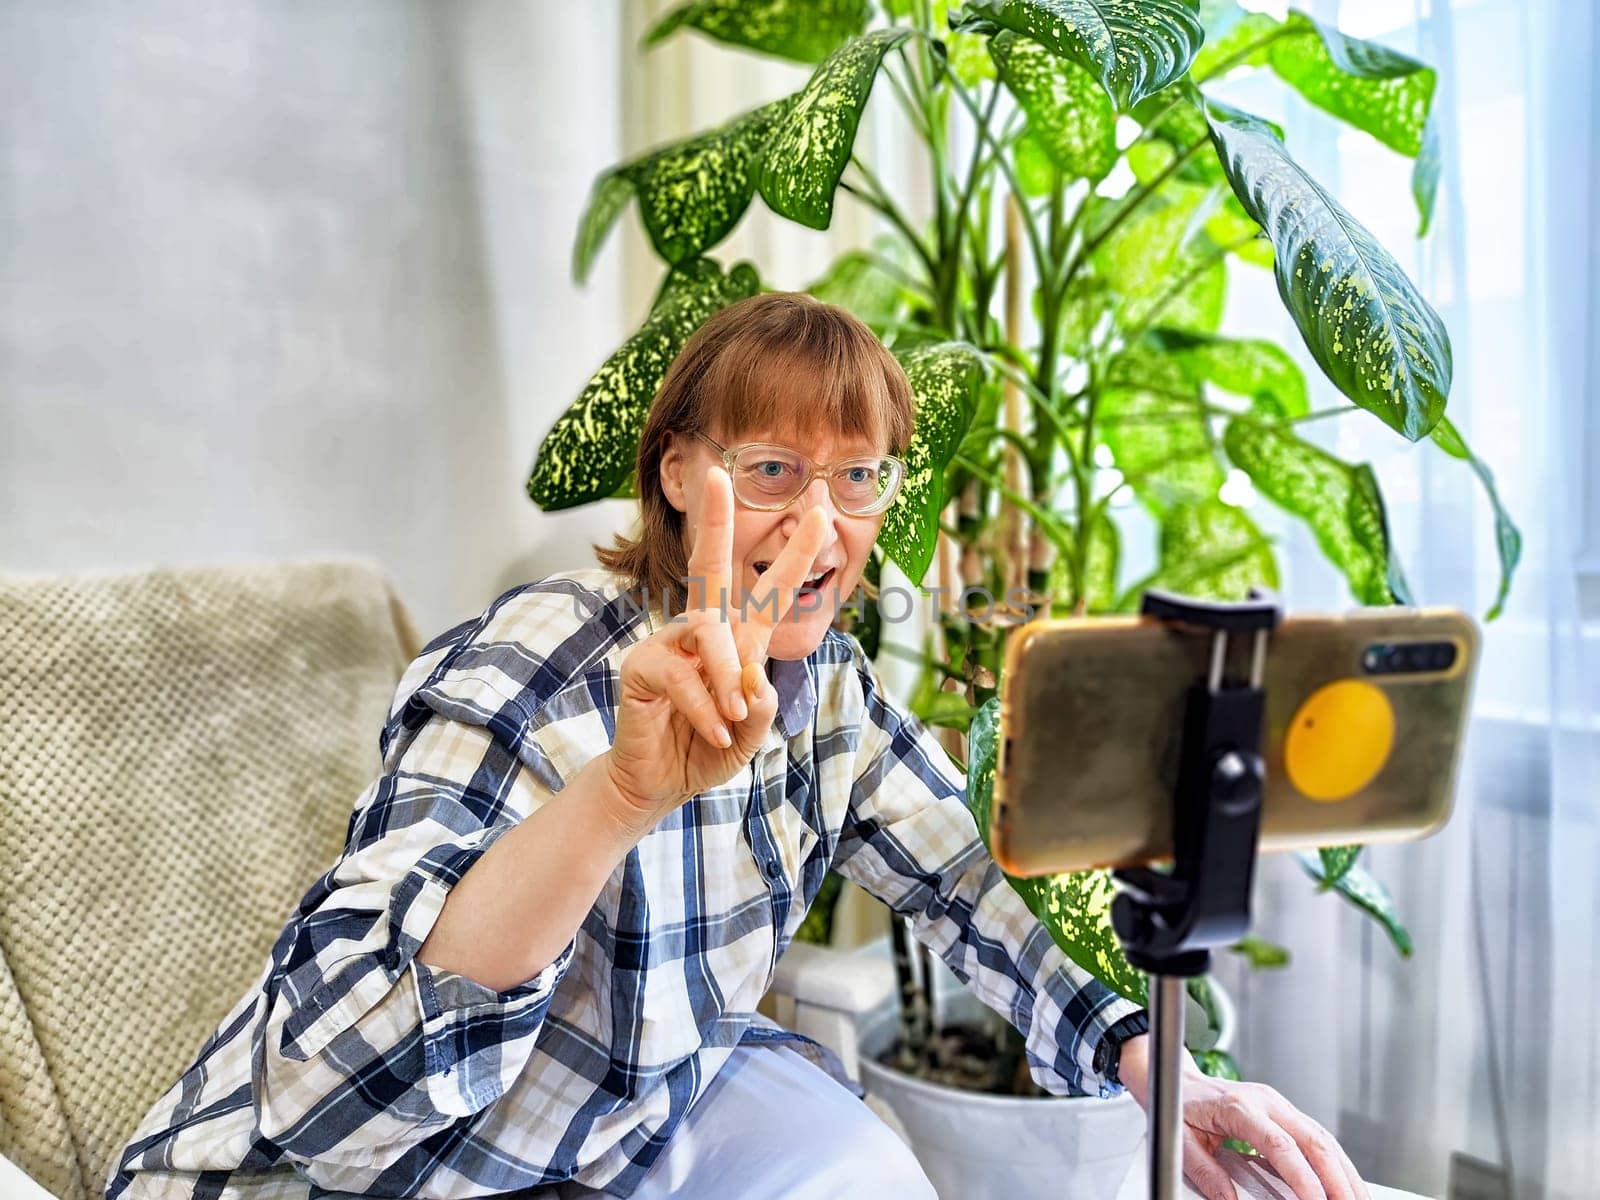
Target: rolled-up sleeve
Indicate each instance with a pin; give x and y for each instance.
(910, 840)
(365, 1049)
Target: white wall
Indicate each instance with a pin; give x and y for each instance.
(279, 279)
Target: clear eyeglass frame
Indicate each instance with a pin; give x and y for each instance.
(828, 471)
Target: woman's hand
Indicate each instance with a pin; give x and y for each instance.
(1303, 1153)
(695, 702)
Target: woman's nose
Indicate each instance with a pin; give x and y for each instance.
(815, 495)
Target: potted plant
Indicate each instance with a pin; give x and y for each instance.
(1106, 193)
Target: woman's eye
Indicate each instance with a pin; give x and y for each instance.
(860, 474)
(772, 469)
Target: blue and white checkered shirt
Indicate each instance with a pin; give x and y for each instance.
(352, 1067)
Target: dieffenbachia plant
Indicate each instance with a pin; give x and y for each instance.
(1131, 192)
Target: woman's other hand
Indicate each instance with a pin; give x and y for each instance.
(695, 702)
(1304, 1154)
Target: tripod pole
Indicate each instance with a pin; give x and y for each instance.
(1164, 1105)
(1168, 922)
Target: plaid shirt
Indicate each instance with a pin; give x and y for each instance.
(352, 1066)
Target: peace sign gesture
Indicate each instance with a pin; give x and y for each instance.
(696, 703)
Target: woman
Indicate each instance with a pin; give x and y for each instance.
(605, 806)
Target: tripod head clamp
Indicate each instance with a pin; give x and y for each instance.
(1168, 923)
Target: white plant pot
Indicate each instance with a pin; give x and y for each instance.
(975, 1144)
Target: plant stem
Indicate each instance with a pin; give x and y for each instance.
(1029, 224)
(1048, 521)
(874, 198)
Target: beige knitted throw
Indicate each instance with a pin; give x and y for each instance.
(179, 753)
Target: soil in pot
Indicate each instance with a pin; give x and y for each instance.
(971, 1056)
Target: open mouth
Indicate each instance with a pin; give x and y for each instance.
(813, 583)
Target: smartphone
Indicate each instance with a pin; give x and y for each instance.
(1364, 717)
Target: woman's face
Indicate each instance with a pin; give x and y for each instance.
(759, 536)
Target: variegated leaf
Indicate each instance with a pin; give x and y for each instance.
(1133, 47)
(1068, 112)
(1150, 416)
(1244, 366)
(1361, 889)
(1104, 553)
(944, 378)
(1508, 539)
(1367, 85)
(1210, 549)
(807, 152)
(1340, 502)
(1337, 861)
(800, 30)
(607, 198)
(1234, 37)
(860, 281)
(1153, 252)
(591, 448)
(1364, 322)
(1074, 907)
(692, 193)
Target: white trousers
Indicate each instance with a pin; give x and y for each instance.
(773, 1126)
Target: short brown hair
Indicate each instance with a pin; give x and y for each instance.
(769, 361)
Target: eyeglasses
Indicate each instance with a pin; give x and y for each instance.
(768, 477)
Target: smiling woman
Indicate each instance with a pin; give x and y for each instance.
(780, 367)
(599, 825)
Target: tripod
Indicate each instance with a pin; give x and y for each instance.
(1169, 922)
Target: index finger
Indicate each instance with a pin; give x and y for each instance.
(711, 560)
(777, 588)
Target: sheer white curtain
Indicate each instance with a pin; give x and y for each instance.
(1484, 1043)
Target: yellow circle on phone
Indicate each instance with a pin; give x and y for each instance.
(1339, 739)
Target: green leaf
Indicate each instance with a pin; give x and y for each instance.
(1508, 539)
(932, 705)
(858, 281)
(1364, 322)
(807, 152)
(1244, 366)
(1367, 894)
(817, 927)
(1087, 300)
(1068, 112)
(1234, 38)
(590, 450)
(1218, 1064)
(1211, 550)
(1262, 955)
(1201, 992)
(1425, 178)
(1037, 173)
(1148, 257)
(1341, 503)
(1104, 552)
(692, 193)
(1133, 47)
(607, 198)
(968, 56)
(944, 378)
(1336, 862)
(801, 30)
(1365, 84)
(1076, 907)
(1150, 416)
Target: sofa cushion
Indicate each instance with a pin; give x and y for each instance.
(180, 749)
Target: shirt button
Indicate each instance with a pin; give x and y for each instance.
(773, 868)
